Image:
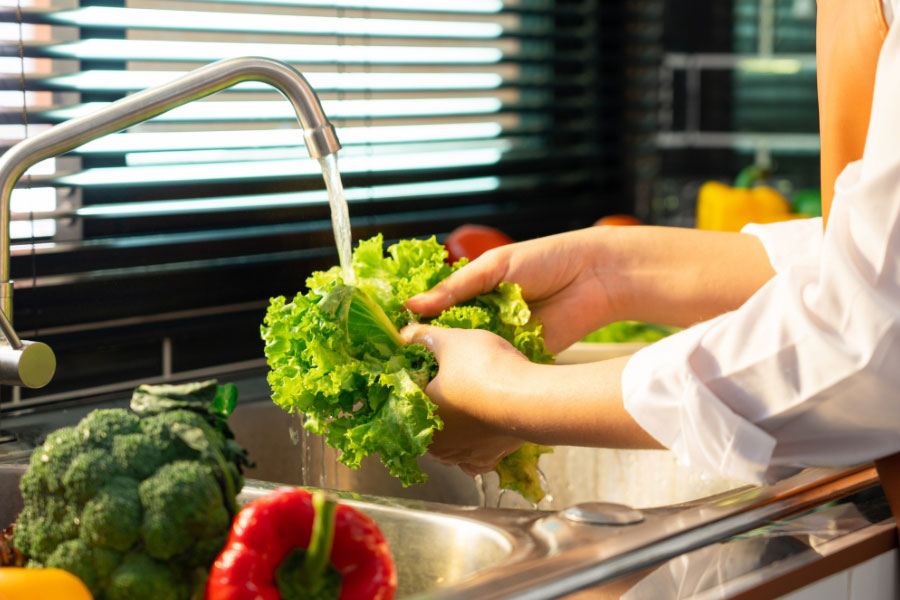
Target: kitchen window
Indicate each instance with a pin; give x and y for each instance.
(150, 254)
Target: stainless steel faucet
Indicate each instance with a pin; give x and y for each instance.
(33, 363)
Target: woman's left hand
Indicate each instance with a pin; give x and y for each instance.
(474, 389)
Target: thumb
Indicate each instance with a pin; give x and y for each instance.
(427, 335)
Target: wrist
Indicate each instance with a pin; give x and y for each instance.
(616, 264)
(677, 276)
(572, 405)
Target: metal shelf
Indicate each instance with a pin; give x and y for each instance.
(776, 64)
(751, 142)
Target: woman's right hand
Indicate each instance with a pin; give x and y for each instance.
(578, 281)
(560, 278)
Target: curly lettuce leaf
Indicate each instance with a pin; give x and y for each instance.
(335, 355)
(518, 472)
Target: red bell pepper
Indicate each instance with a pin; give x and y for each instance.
(471, 241)
(292, 545)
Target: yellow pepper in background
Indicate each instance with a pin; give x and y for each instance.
(726, 208)
(19, 583)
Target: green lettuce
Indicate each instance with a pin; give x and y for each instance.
(629, 331)
(518, 472)
(335, 355)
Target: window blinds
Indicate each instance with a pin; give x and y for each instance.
(151, 253)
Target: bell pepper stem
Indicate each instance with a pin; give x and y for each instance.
(318, 554)
(748, 176)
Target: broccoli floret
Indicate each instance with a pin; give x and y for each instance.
(204, 552)
(92, 565)
(139, 577)
(76, 557)
(50, 461)
(105, 563)
(200, 512)
(101, 426)
(137, 454)
(112, 518)
(155, 485)
(162, 430)
(87, 473)
(43, 524)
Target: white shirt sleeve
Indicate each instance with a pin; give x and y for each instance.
(790, 243)
(807, 371)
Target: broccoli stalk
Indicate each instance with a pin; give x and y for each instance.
(137, 503)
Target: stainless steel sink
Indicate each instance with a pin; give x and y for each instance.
(433, 545)
(450, 552)
(284, 452)
(448, 546)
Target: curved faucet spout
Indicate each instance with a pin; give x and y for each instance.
(318, 133)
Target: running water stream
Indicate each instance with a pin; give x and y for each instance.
(340, 215)
(340, 222)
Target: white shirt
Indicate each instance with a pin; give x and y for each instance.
(807, 371)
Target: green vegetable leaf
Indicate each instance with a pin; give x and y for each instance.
(205, 397)
(335, 353)
(629, 331)
(365, 321)
(225, 400)
(154, 399)
(519, 472)
(508, 301)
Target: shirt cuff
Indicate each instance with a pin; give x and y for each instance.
(671, 403)
(790, 243)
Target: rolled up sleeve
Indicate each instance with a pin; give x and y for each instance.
(789, 243)
(807, 371)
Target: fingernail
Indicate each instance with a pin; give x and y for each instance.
(429, 341)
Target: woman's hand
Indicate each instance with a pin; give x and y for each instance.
(559, 277)
(578, 281)
(491, 399)
(472, 390)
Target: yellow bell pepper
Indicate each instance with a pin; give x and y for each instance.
(19, 583)
(725, 208)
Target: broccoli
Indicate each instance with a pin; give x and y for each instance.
(137, 503)
(192, 487)
(139, 577)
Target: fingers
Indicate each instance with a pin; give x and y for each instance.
(474, 460)
(478, 277)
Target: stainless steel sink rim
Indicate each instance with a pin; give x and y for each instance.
(544, 555)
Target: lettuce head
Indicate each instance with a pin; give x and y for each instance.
(336, 356)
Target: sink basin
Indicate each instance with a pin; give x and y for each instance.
(433, 545)
(430, 549)
(449, 552)
(573, 474)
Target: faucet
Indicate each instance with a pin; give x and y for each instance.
(32, 364)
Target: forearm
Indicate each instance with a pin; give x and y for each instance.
(678, 276)
(574, 405)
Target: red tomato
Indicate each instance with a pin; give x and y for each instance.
(618, 220)
(471, 241)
